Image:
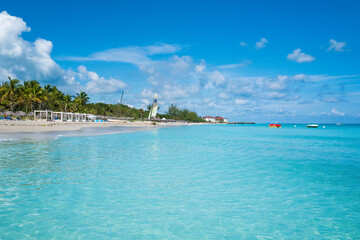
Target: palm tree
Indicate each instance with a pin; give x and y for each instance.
(55, 97)
(25, 94)
(10, 91)
(81, 100)
(36, 94)
(67, 100)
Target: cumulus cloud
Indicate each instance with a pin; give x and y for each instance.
(215, 80)
(261, 44)
(243, 44)
(20, 58)
(96, 84)
(337, 113)
(278, 84)
(200, 67)
(164, 76)
(336, 46)
(299, 56)
(26, 61)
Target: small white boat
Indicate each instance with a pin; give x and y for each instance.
(153, 111)
(312, 126)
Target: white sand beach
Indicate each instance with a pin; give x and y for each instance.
(39, 126)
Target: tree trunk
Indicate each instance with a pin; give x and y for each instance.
(12, 104)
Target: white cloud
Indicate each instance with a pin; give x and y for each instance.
(171, 92)
(200, 67)
(224, 95)
(236, 65)
(261, 44)
(162, 48)
(330, 99)
(215, 80)
(147, 93)
(26, 61)
(22, 59)
(278, 84)
(133, 54)
(96, 84)
(241, 101)
(243, 44)
(299, 56)
(336, 46)
(336, 112)
(300, 77)
(275, 95)
(145, 102)
(324, 77)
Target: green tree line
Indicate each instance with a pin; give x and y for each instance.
(176, 113)
(30, 95)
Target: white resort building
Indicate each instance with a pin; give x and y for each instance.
(216, 119)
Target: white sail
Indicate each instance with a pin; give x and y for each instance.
(154, 107)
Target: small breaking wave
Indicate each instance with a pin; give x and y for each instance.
(58, 136)
(7, 139)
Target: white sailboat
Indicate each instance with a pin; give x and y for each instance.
(153, 111)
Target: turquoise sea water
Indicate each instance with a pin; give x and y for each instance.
(192, 182)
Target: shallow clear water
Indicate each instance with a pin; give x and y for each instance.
(196, 182)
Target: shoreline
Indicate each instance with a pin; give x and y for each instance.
(8, 127)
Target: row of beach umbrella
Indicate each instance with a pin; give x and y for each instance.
(17, 114)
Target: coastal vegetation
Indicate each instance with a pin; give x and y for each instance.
(30, 95)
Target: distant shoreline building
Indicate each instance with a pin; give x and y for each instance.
(216, 119)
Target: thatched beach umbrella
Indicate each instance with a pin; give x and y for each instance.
(20, 114)
(9, 113)
(30, 114)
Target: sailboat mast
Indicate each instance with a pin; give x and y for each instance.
(122, 94)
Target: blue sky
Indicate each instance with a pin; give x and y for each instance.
(263, 61)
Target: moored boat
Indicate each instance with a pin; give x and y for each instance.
(153, 111)
(275, 125)
(312, 126)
